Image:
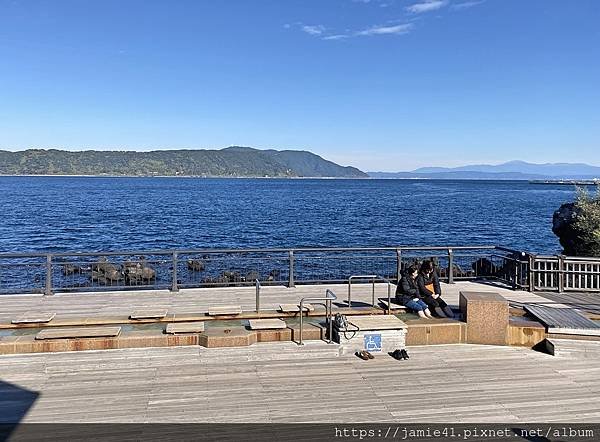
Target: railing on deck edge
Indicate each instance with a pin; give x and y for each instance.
(174, 269)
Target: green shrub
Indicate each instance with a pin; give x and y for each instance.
(586, 225)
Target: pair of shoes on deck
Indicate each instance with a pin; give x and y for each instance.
(364, 355)
(399, 354)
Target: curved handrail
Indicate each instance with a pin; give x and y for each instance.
(371, 277)
(374, 279)
(329, 296)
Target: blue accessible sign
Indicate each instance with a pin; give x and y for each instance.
(373, 342)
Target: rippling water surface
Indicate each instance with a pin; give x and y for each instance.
(102, 214)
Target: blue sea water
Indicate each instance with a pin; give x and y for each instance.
(40, 214)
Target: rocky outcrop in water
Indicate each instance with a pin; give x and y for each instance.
(564, 226)
(196, 265)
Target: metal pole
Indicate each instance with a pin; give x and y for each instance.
(300, 331)
(398, 264)
(174, 287)
(48, 290)
(257, 296)
(450, 266)
(291, 282)
(373, 294)
(350, 292)
(389, 298)
(330, 322)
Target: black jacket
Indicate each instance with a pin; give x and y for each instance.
(407, 289)
(423, 281)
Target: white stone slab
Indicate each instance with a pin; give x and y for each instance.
(393, 304)
(185, 327)
(294, 308)
(225, 310)
(78, 332)
(377, 322)
(266, 324)
(31, 318)
(148, 314)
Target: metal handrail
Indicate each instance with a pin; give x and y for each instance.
(50, 261)
(329, 296)
(374, 279)
(258, 287)
(371, 277)
(253, 250)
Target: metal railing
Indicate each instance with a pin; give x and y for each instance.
(258, 287)
(374, 279)
(565, 274)
(175, 269)
(329, 296)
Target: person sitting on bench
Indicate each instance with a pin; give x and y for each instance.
(407, 293)
(431, 292)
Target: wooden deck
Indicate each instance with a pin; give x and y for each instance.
(281, 382)
(195, 301)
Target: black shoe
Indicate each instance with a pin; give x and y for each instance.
(404, 354)
(396, 354)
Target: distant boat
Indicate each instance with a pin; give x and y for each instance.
(592, 182)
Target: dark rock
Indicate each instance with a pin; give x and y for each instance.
(563, 222)
(195, 265)
(484, 267)
(252, 276)
(71, 269)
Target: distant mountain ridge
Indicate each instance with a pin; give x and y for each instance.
(234, 161)
(512, 170)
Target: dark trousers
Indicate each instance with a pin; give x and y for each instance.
(433, 303)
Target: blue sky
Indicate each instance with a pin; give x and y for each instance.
(378, 84)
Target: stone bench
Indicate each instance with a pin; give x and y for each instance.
(34, 318)
(79, 332)
(225, 310)
(148, 314)
(295, 308)
(175, 328)
(266, 324)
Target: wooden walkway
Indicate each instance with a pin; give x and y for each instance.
(195, 301)
(279, 382)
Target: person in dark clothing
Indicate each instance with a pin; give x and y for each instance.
(431, 292)
(407, 293)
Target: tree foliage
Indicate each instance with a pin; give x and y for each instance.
(587, 222)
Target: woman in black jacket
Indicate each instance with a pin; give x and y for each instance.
(431, 292)
(407, 293)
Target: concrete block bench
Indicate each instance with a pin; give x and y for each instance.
(486, 314)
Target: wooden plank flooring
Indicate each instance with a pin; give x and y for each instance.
(281, 382)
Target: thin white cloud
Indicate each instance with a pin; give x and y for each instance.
(466, 5)
(336, 37)
(426, 6)
(404, 28)
(313, 29)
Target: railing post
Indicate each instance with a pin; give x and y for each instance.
(398, 264)
(257, 296)
(48, 290)
(291, 282)
(450, 266)
(531, 273)
(561, 273)
(174, 287)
